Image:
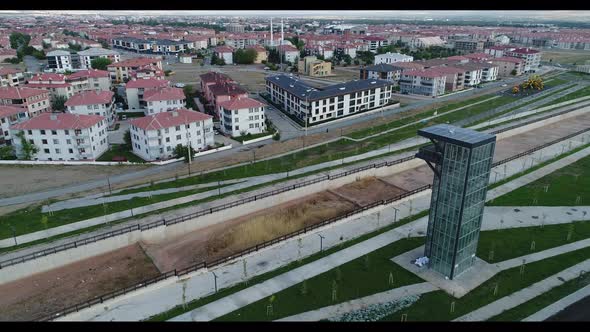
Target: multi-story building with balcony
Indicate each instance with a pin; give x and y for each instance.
(10, 115)
(508, 66)
(35, 101)
(427, 82)
(54, 83)
(242, 116)
(121, 71)
(11, 77)
(532, 58)
(90, 80)
(63, 136)
(93, 103)
(154, 137)
(162, 100)
(135, 90)
(389, 58)
(61, 61)
(90, 54)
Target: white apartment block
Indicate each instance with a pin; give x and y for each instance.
(90, 54)
(93, 103)
(427, 82)
(389, 58)
(135, 89)
(532, 58)
(242, 116)
(35, 101)
(63, 136)
(90, 80)
(60, 61)
(225, 53)
(121, 71)
(10, 115)
(54, 83)
(154, 137)
(162, 100)
(11, 77)
(332, 102)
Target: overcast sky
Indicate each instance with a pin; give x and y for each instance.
(566, 15)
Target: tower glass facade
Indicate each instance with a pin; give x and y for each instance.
(461, 160)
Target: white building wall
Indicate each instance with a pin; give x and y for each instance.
(88, 144)
(133, 98)
(160, 106)
(390, 58)
(227, 57)
(248, 120)
(159, 144)
(105, 110)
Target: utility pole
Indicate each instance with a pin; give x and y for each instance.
(109, 182)
(188, 138)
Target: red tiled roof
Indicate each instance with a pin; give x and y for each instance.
(408, 65)
(47, 85)
(62, 121)
(163, 94)
(257, 48)
(223, 49)
(524, 51)
(431, 73)
(48, 77)
(7, 51)
(241, 103)
(90, 98)
(168, 119)
(147, 83)
(20, 92)
(6, 71)
(136, 62)
(288, 48)
(89, 73)
(215, 77)
(226, 90)
(10, 110)
(508, 59)
(478, 56)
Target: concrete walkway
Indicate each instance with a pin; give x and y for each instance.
(556, 307)
(517, 298)
(357, 304)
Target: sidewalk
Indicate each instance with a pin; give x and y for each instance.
(517, 298)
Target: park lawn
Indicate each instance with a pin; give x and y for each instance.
(576, 94)
(554, 82)
(534, 305)
(28, 220)
(354, 279)
(435, 306)
(515, 242)
(119, 150)
(565, 185)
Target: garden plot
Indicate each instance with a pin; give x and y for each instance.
(40, 294)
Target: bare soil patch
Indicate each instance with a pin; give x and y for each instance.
(412, 178)
(40, 294)
(368, 190)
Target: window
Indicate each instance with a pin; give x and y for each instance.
(30, 132)
(56, 141)
(166, 131)
(70, 151)
(53, 132)
(89, 107)
(42, 132)
(43, 141)
(58, 151)
(237, 127)
(46, 150)
(67, 132)
(178, 137)
(167, 139)
(177, 128)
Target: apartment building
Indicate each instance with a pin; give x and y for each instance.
(54, 83)
(90, 54)
(508, 65)
(473, 73)
(225, 53)
(11, 77)
(61, 61)
(389, 58)
(63, 136)
(381, 71)
(236, 28)
(532, 58)
(93, 103)
(7, 53)
(242, 116)
(35, 101)
(427, 82)
(212, 78)
(147, 71)
(311, 66)
(162, 100)
(224, 92)
(90, 80)
(374, 42)
(10, 115)
(336, 101)
(454, 78)
(289, 53)
(121, 71)
(498, 51)
(135, 89)
(469, 45)
(154, 137)
(489, 71)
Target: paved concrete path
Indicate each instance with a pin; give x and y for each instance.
(556, 307)
(517, 298)
(357, 304)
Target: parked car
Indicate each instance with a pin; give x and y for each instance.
(266, 68)
(215, 131)
(179, 85)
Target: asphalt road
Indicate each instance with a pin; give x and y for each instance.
(577, 312)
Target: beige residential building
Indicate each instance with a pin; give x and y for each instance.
(311, 66)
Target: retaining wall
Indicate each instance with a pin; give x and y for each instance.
(259, 139)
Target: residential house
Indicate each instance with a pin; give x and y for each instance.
(261, 53)
(225, 53)
(427, 82)
(93, 103)
(212, 78)
(35, 101)
(508, 65)
(10, 115)
(532, 58)
(389, 58)
(90, 80)
(61, 61)
(135, 89)
(11, 77)
(54, 83)
(154, 137)
(311, 66)
(90, 54)
(289, 53)
(162, 100)
(121, 71)
(241, 116)
(63, 136)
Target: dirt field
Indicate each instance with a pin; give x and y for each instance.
(411, 179)
(367, 190)
(566, 56)
(237, 234)
(17, 180)
(41, 294)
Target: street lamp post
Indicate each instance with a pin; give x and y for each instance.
(188, 138)
(395, 215)
(13, 233)
(215, 280)
(321, 242)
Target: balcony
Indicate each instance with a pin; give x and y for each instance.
(429, 153)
